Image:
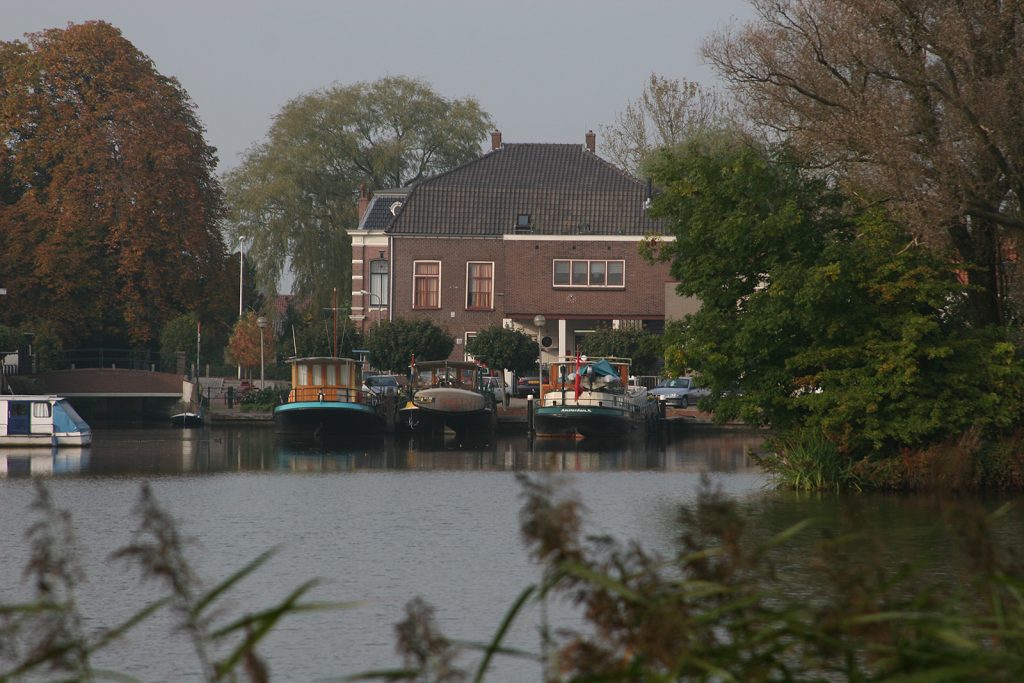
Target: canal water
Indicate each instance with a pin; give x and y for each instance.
(381, 523)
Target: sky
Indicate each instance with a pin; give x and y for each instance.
(545, 70)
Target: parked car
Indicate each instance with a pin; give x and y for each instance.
(382, 385)
(495, 386)
(679, 392)
(527, 386)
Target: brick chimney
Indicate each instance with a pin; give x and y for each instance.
(364, 201)
(495, 140)
(591, 141)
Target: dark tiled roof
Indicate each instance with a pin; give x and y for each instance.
(565, 190)
(378, 215)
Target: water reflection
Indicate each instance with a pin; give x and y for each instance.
(256, 448)
(26, 462)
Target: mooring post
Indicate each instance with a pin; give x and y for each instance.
(529, 414)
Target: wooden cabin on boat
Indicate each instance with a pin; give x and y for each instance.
(327, 399)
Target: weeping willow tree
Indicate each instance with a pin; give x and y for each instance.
(292, 198)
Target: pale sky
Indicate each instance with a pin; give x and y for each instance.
(545, 70)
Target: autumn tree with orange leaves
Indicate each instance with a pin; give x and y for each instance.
(244, 345)
(108, 199)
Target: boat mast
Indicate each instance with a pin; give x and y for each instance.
(335, 305)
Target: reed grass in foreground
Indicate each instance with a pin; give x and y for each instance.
(715, 609)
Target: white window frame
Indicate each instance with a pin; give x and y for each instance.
(378, 281)
(416, 277)
(588, 262)
(490, 306)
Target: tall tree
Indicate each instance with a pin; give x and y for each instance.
(916, 103)
(108, 202)
(667, 112)
(292, 196)
(817, 314)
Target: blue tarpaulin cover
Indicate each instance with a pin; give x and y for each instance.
(66, 419)
(599, 368)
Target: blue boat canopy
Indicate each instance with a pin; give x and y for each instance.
(66, 419)
(598, 369)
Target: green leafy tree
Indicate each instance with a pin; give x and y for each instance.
(310, 335)
(505, 348)
(109, 208)
(9, 340)
(672, 350)
(640, 346)
(393, 343)
(818, 316)
(292, 196)
(180, 334)
(47, 347)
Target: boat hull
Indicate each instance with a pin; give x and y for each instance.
(47, 440)
(328, 419)
(587, 421)
(187, 420)
(422, 421)
(461, 410)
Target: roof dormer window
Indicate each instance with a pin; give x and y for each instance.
(523, 223)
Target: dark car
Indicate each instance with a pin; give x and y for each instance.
(679, 392)
(382, 385)
(528, 386)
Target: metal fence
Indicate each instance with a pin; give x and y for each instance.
(646, 381)
(131, 359)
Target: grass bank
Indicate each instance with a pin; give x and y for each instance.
(971, 464)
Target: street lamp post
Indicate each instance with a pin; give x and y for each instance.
(3, 377)
(29, 336)
(368, 298)
(261, 322)
(241, 269)
(539, 320)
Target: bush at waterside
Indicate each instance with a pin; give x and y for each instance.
(808, 461)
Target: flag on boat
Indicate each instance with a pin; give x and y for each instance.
(576, 382)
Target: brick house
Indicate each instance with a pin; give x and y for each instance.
(525, 230)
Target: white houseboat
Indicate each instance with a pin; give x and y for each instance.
(30, 420)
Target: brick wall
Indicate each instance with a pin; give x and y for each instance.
(532, 292)
(522, 282)
(453, 254)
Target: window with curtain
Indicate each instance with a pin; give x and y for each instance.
(426, 284)
(479, 286)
